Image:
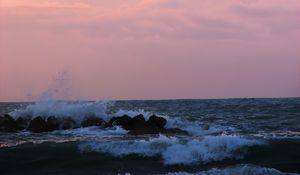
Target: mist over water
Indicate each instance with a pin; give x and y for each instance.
(60, 88)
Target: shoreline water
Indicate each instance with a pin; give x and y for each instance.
(250, 136)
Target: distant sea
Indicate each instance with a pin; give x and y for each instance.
(226, 136)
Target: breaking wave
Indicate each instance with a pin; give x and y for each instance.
(76, 110)
(80, 110)
(240, 169)
(177, 151)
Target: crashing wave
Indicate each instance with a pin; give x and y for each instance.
(79, 110)
(176, 151)
(76, 110)
(240, 169)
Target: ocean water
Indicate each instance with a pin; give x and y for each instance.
(226, 136)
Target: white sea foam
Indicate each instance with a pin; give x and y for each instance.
(133, 113)
(76, 110)
(151, 147)
(61, 136)
(94, 131)
(192, 127)
(79, 110)
(240, 170)
(174, 150)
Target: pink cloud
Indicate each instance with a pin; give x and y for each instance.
(149, 49)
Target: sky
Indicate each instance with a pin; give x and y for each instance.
(149, 49)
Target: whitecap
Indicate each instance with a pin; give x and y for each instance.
(76, 110)
(240, 170)
(174, 150)
(94, 131)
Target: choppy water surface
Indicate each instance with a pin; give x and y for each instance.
(233, 136)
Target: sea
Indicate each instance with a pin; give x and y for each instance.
(225, 136)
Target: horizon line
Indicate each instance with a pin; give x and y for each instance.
(162, 99)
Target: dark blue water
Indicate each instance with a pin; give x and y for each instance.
(232, 136)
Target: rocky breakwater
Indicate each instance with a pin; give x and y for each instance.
(137, 125)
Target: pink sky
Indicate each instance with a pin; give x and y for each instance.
(150, 49)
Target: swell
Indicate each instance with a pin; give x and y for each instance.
(62, 158)
(242, 169)
(174, 150)
(102, 109)
(200, 117)
(282, 154)
(95, 151)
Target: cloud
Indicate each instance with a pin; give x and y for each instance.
(162, 19)
(41, 4)
(154, 20)
(279, 20)
(152, 48)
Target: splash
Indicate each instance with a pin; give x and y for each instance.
(177, 151)
(240, 169)
(75, 110)
(192, 127)
(59, 88)
(50, 103)
(79, 110)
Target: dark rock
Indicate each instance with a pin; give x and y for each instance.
(52, 123)
(128, 123)
(138, 122)
(175, 131)
(158, 121)
(124, 122)
(147, 129)
(23, 122)
(68, 123)
(92, 121)
(38, 124)
(8, 124)
(138, 125)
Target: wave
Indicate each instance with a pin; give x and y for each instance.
(75, 110)
(240, 169)
(177, 151)
(79, 110)
(60, 136)
(94, 131)
(192, 127)
(162, 154)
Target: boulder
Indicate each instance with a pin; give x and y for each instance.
(139, 126)
(92, 121)
(158, 121)
(8, 124)
(124, 122)
(52, 123)
(147, 129)
(23, 122)
(138, 122)
(68, 123)
(128, 123)
(37, 125)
